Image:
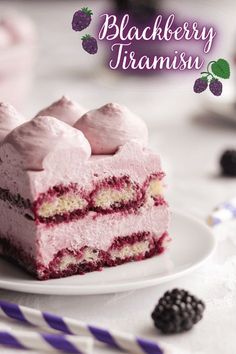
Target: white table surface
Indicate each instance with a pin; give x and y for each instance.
(189, 143)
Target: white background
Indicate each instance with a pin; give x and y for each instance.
(190, 142)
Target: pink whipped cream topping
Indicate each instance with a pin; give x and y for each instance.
(111, 126)
(45, 139)
(9, 119)
(64, 110)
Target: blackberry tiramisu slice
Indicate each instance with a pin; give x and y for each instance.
(75, 199)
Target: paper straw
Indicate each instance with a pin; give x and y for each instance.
(119, 340)
(46, 342)
(223, 213)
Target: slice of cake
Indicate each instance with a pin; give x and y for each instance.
(76, 199)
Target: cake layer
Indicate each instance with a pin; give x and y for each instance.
(99, 232)
(66, 262)
(66, 203)
(94, 230)
(69, 168)
(17, 228)
(113, 194)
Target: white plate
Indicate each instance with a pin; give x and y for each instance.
(192, 243)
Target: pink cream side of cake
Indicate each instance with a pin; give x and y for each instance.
(128, 160)
(99, 233)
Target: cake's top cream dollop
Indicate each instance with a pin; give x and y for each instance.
(64, 110)
(111, 126)
(9, 119)
(44, 140)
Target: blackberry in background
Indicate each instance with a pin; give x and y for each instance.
(122, 5)
(228, 163)
(177, 311)
(141, 10)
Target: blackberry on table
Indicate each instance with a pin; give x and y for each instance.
(200, 85)
(228, 163)
(177, 311)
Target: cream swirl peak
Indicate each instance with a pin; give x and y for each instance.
(45, 138)
(111, 126)
(64, 110)
(9, 119)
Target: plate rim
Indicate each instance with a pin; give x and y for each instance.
(28, 286)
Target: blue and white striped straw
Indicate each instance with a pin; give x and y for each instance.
(45, 342)
(119, 340)
(224, 212)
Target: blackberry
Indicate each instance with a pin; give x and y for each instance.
(200, 85)
(177, 311)
(228, 163)
(89, 44)
(82, 19)
(216, 87)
